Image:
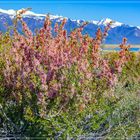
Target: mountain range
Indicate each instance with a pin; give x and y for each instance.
(35, 21)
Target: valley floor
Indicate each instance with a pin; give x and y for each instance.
(117, 46)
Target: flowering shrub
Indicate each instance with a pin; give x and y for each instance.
(60, 67)
(47, 74)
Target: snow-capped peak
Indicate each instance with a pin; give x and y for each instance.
(12, 12)
(115, 24)
(94, 22)
(30, 13)
(108, 20)
(104, 21)
(9, 12)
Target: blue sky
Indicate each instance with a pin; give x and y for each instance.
(126, 11)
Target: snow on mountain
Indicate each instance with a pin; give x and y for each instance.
(108, 20)
(95, 22)
(9, 12)
(12, 13)
(115, 24)
(35, 21)
(104, 21)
